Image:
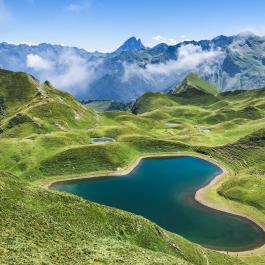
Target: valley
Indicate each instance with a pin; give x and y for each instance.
(46, 136)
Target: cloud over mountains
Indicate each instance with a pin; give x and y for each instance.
(229, 63)
(189, 58)
(69, 71)
(38, 63)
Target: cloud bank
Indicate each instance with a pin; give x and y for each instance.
(169, 41)
(69, 71)
(38, 63)
(161, 39)
(189, 58)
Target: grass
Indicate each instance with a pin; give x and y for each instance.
(46, 135)
(151, 101)
(245, 158)
(45, 227)
(194, 85)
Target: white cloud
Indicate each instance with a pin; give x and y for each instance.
(170, 41)
(69, 71)
(77, 73)
(239, 44)
(248, 31)
(29, 43)
(190, 58)
(161, 39)
(38, 63)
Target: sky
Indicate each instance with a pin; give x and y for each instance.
(103, 25)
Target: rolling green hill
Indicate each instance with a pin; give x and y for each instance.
(188, 92)
(46, 136)
(107, 105)
(30, 107)
(193, 85)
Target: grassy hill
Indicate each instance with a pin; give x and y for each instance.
(30, 107)
(151, 101)
(188, 92)
(194, 85)
(46, 135)
(107, 105)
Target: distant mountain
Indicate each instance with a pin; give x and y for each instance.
(131, 44)
(227, 62)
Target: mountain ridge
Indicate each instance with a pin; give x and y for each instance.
(132, 44)
(227, 62)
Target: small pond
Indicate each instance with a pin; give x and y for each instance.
(171, 124)
(102, 140)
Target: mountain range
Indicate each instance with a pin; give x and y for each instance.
(227, 62)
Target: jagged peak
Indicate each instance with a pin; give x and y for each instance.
(132, 44)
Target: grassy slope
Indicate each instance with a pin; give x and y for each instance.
(44, 227)
(236, 138)
(151, 101)
(193, 83)
(66, 229)
(107, 105)
(38, 108)
(243, 189)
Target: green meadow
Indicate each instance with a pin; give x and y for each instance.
(46, 135)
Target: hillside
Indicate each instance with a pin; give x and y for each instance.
(193, 90)
(31, 107)
(192, 86)
(107, 105)
(151, 101)
(46, 136)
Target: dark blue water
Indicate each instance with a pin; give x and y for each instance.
(162, 190)
(102, 140)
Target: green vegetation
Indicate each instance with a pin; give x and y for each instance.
(194, 85)
(151, 101)
(107, 105)
(45, 135)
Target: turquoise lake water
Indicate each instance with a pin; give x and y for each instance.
(162, 190)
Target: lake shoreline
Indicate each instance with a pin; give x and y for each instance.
(199, 195)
